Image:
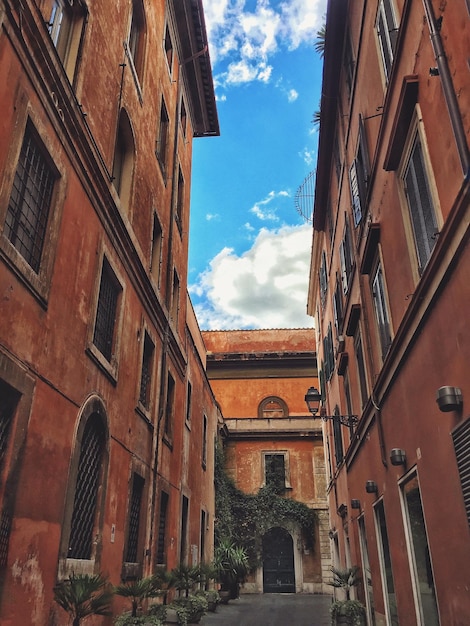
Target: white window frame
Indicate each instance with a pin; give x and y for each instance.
(416, 136)
(387, 15)
(379, 295)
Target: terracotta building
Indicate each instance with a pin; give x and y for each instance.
(104, 403)
(389, 290)
(259, 378)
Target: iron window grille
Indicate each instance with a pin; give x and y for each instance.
(86, 490)
(170, 399)
(461, 439)
(146, 376)
(110, 289)
(164, 498)
(134, 519)
(30, 200)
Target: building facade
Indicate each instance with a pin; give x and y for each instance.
(260, 378)
(389, 287)
(104, 403)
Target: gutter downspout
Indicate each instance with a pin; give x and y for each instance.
(448, 88)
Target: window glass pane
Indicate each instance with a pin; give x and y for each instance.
(275, 471)
(421, 559)
(28, 209)
(381, 311)
(386, 565)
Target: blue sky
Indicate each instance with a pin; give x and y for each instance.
(249, 251)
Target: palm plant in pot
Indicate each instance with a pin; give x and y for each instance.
(346, 612)
(83, 595)
(231, 565)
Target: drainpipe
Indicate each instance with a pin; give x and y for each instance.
(448, 87)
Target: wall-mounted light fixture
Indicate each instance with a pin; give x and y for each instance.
(355, 504)
(371, 486)
(313, 399)
(397, 456)
(449, 399)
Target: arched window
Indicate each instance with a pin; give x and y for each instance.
(84, 503)
(124, 153)
(86, 489)
(273, 407)
(136, 40)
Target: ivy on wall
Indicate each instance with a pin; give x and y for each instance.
(245, 518)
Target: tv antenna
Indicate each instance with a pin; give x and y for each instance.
(304, 197)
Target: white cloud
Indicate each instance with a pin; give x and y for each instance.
(212, 216)
(292, 95)
(308, 156)
(247, 39)
(266, 287)
(260, 208)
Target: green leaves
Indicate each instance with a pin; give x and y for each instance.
(82, 595)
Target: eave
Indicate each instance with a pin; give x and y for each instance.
(334, 41)
(196, 65)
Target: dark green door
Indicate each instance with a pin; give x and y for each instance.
(278, 562)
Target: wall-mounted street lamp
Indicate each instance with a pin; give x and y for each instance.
(313, 400)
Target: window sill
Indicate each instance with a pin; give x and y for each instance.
(35, 283)
(109, 369)
(168, 440)
(144, 414)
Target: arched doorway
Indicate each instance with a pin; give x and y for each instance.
(278, 562)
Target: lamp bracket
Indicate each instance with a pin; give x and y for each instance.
(344, 420)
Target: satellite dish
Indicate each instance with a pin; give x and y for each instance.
(304, 197)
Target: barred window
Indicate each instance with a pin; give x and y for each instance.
(170, 400)
(161, 553)
(132, 552)
(8, 402)
(30, 200)
(110, 290)
(146, 376)
(86, 489)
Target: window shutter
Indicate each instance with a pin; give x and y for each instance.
(461, 438)
(355, 193)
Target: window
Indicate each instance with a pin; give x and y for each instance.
(180, 201)
(169, 409)
(379, 299)
(66, 30)
(338, 307)
(162, 524)
(346, 258)
(136, 37)
(420, 203)
(276, 471)
(184, 529)
(188, 402)
(419, 555)
(104, 336)
(132, 551)
(338, 437)
(123, 164)
(168, 48)
(337, 158)
(204, 441)
(175, 296)
(361, 369)
(323, 278)
(359, 173)
(273, 407)
(203, 535)
(387, 32)
(30, 200)
(328, 353)
(161, 147)
(156, 253)
(9, 398)
(349, 64)
(146, 373)
(461, 439)
(90, 463)
(183, 117)
(386, 564)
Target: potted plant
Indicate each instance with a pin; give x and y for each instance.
(346, 612)
(212, 597)
(82, 595)
(137, 591)
(185, 577)
(194, 607)
(231, 565)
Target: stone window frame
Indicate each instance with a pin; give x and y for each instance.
(93, 405)
(38, 283)
(287, 475)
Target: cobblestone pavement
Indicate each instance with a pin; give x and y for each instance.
(272, 609)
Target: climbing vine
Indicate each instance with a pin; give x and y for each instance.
(245, 518)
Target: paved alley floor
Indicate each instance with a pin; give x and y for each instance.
(272, 609)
